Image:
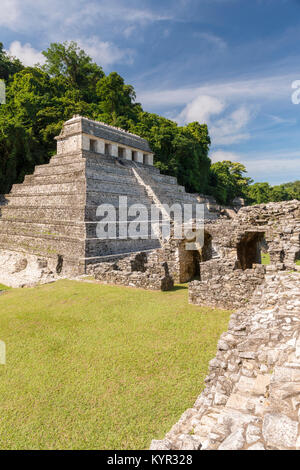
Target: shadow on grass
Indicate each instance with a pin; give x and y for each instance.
(185, 285)
(179, 287)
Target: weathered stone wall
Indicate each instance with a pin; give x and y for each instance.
(279, 223)
(223, 286)
(252, 394)
(144, 270)
(228, 280)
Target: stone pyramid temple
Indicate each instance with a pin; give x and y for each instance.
(53, 214)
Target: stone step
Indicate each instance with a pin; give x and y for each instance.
(95, 198)
(79, 185)
(58, 229)
(114, 187)
(56, 200)
(66, 177)
(100, 176)
(108, 163)
(113, 258)
(121, 228)
(159, 178)
(43, 246)
(63, 214)
(49, 189)
(44, 170)
(73, 229)
(44, 213)
(96, 247)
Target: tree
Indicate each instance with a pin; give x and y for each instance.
(8, 65)
(179, 151)
(227, 181)
(259, 193)
(67, 61)
(117, 100)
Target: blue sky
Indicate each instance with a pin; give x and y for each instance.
(230, 63)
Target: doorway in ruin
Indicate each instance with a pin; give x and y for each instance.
(121, 152)
(190, 259)
(249, 249)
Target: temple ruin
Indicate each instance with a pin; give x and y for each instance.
(49, 226)
(49, 222)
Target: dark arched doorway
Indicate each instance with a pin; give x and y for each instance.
(249, 249)
(190, 259)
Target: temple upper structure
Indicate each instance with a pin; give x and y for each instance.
(80, 133)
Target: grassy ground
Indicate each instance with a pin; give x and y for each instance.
(265, 258)
(2, 287)
(92, 366)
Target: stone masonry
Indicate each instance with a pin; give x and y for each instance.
(251, 400)
(228, 279)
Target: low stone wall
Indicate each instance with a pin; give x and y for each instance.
(144, 270)
(252, 396)
(223, 286)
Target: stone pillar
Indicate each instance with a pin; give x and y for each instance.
(149, 159)
(100, 146)
(85, 142)
(114, 150)
(128, 154)
(140, 157)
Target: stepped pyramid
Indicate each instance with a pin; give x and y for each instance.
(52, 215)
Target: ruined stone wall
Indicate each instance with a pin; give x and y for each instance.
(228, 280)
(222, 286)
(252, 395)
(143, 270)
(278, 221)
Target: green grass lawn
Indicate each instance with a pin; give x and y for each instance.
(100, 367)
(2, 287)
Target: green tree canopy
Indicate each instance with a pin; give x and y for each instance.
(227, 180)
(8, 65)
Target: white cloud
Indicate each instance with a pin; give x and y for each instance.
(9, 12)
(212, 39)
(220, 155)
(105, 53)
(26, 53)
(262, 88)
(275, 171)
(58, 21)
(227, 130)
(274, 167)
(23, 15)
(201, 109)
(224, 131)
